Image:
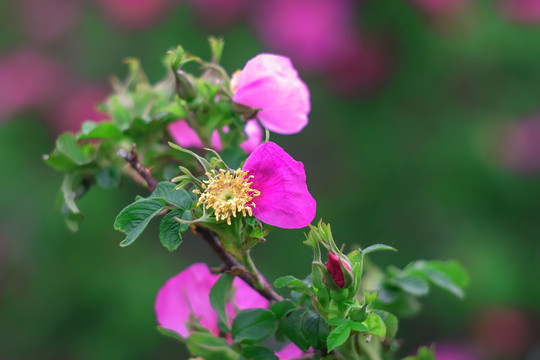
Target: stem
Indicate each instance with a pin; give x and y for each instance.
(253, 279)
(132, 159)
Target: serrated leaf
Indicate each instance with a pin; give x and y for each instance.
(102, 130)
(67, 145)
(219, 295)
(291, 325)
(210, 347)
(358, 326)
(377, 247)
(315, 330)
(292, 283)
(134, 218)
(338, 336)
(170, 230)
(179, 198)
(375, 324)
(57, 160)
(390, 321)
(253, 325)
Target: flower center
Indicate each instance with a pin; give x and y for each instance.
(228, 193)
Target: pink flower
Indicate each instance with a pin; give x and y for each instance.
(520, 146)
(521, 11)
(220, 13)
(270, 83)
(29, 79)
(271, 186)
(292, 351)
(183, 301)
(79, 105)
(135, 14)
(186, 137)
(309, 31)
(333, 265)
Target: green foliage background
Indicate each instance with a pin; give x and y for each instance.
(412, 166)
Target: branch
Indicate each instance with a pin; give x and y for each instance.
(132, 159)
(231, 264)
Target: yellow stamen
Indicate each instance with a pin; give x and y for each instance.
(228, 193)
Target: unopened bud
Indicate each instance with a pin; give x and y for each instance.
(339, 270)
(185, 85)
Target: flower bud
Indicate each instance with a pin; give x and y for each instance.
(185, 85)
(339, 270)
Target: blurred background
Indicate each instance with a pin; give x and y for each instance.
(424, 134)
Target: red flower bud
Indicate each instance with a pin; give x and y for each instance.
(333, 265)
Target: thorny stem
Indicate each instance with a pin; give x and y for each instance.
(252, 278)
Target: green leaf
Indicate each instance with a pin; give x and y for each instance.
(305, 328)
(103, 130)
(108, 177)
(338, 336)
(448, 275)
(282, 307)
(315, 330)
(423, 354)
(390, 321)
(68, 194)
(179, 198)
(257, 352)
(170, 230)
(412, 284)
(67, 145)
(219, 295)
(377, 247)
(375, 324)
(119, 113)
(253, 325)
(134, 218)
(358, 326)
(291, 325)
(292, 283)
(57, 160)
(210, 347)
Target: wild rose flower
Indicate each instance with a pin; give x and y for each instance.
(184, 300)
(335, 265)
(185, 136)
(270, 83)
(271, 186)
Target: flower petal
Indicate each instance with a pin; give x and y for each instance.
(184, 295)
(254, 136)
(270, 82)
(291, 351)
(186, 137)
(285, 200)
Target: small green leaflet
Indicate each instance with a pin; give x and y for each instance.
(253, 325)
(134, 218)
(219, 295)
(170, 230)
(179, 198)
(292, 283)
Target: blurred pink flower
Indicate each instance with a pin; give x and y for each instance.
(360, 67)
(309, 31)
(291, 351)
(135, 14)
(284, 199)
(77, 106)
(519, 149)
(439, 8)
(521, 11)
(270, 83)
(183, 301)
(44, 21)
(185, 136)
(456, 351)
(29, 79)
(220, 13)
(505, 332)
